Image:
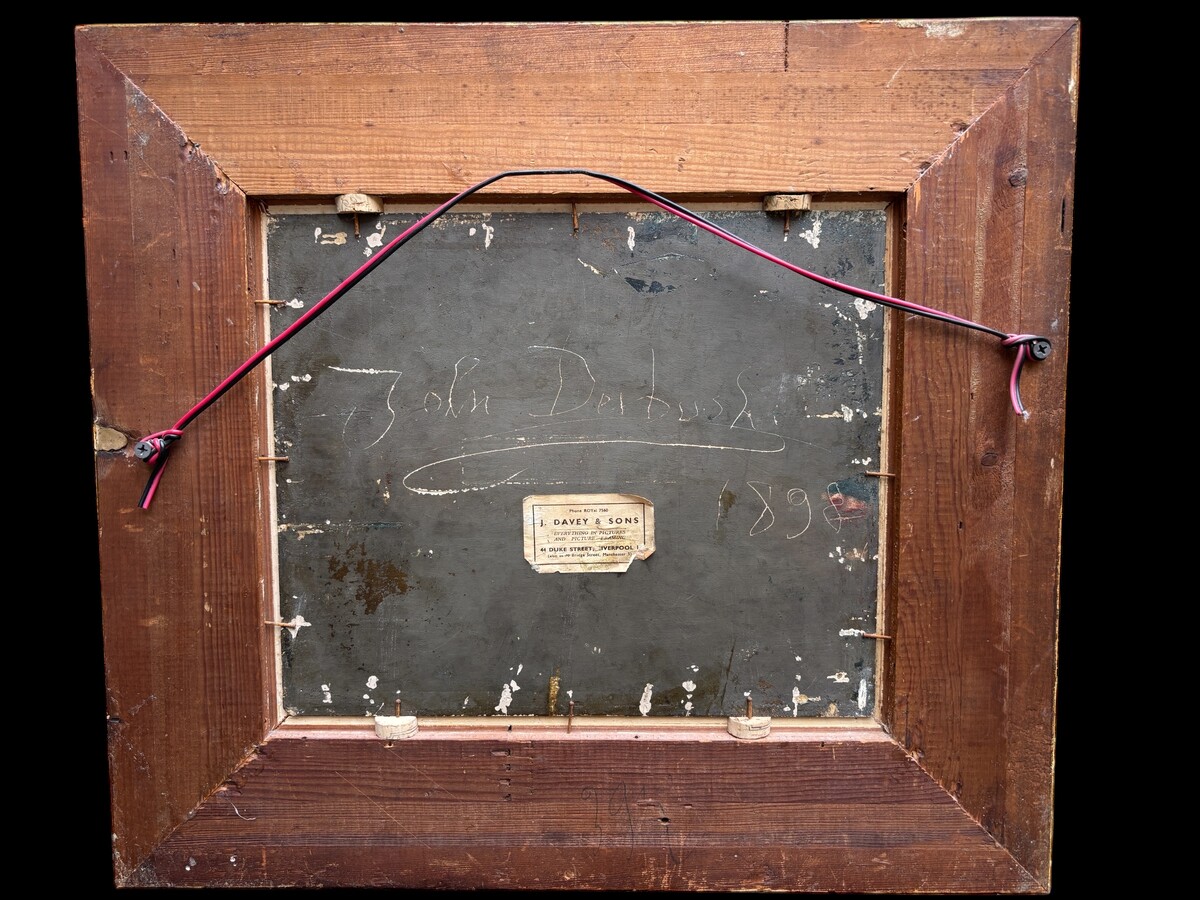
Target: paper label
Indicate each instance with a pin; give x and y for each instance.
(587, 532)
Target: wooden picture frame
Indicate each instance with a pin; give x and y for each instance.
(968, 126)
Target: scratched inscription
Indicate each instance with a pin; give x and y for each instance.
(507, 354)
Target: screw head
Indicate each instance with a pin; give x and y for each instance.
(1040, 348)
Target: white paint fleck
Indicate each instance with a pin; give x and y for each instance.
(233, 859)
(366, 696)
(865, 461)
(512, 684)
(687, 708)
(301, 378)
(644, 703)
(689, 685)
(845, 413)
(943, 30)
(284, 386)
(587, 266)
(813, 235)
(864, 307)
(295, 303)
(797, 699)
(316, 235)
(488, 231)
(299, 621)
(373, 682)
(376, 239)
(328, 696)
(839, 677)
(694, 668)
(337, 238)
(505, 700)
(797, 659)
(466, 700)
(851, 632)
(862, 694)
(471, 232)
(631, 241)
(302, 532)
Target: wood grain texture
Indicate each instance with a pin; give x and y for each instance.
(473, 52)
(169, 316)
(813, 813)
(976, 600)
(969, 123)
(433, 109)
(1026, 827)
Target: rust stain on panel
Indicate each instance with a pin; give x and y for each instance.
(374, 580)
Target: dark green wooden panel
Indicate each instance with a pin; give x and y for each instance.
(499, 355)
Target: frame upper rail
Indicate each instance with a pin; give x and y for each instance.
(302, 111)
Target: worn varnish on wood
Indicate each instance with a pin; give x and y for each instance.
(499, 355)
